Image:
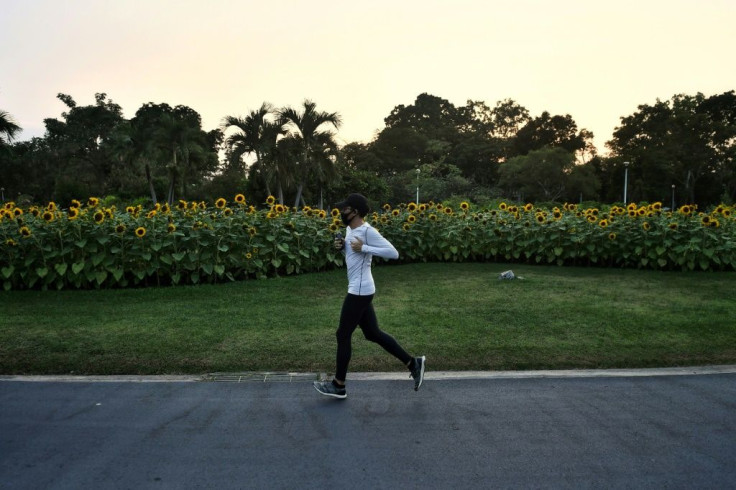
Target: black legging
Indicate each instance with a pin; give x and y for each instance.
(358, 311)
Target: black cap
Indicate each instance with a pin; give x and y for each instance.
(356, 201)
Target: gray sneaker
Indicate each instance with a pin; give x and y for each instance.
(418, 372)
(327, 388)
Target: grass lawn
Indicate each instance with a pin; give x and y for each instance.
(459, 315)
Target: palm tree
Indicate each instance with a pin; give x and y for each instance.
(257, 136)
(8, 128)
(181, 139)
(304, 128)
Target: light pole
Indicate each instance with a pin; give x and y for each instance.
(2, 189)
(418, 187)
(626, 180)
(673, 198)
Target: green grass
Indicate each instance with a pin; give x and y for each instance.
(459, 315)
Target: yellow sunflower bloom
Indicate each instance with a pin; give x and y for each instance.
(140, 232)
(270, 200)
(171, 228)
(99, 217)
(240, 199)
(25, 232)
(48, 216)
(220, 203)
(646, 226)
(120, 229)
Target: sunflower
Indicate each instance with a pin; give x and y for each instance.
(48, 216)
(422, 207)
(220, 203)
(528, 207)
(632, 213)
(714, 223)
(591, 218)
(171, 227)
(411, 207)
(657, 206)
(36, 213)
(193, 206)
(202, 205)
(240, 199)
(502, 206)
(705, 221)
(395, 213)
(51, 206)
(726, 213)
(17, 212)
(406, 226)
(248, 256)
(641, 211)
(140, 232)
(411, 218)
(540, 218)
(333, 227)
(448, 211)
(646, 226)
(611, 236)
(686, 210)
(432, 217)
(10, 242)
(25, 232)
(227, 212)
(270, 200)
(166, 209)
(464, 206)
(151, 214)
(387, 207)
(120, 229)
(557, 214)
(182, 205)
(252, 231)
(279, 208)
(672, 226)
(603, 223)
(93, 202)
(99, 217)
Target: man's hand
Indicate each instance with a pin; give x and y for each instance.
(357, 245)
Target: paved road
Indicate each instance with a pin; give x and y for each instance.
(546, 432)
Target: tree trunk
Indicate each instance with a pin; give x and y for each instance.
(150, 183)
(298, 194)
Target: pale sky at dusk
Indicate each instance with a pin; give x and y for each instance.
(594, 60)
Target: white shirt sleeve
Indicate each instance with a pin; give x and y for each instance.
(376, 245)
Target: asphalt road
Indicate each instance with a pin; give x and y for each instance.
(548, 432)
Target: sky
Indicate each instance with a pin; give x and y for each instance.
(594, 60)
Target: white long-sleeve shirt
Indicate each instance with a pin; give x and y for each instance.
(360, 279)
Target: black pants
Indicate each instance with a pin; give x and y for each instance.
(357, 311)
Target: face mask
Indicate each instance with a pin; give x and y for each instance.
(346, 219)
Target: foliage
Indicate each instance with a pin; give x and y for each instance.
(91, 246)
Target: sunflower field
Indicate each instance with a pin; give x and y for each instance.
(90, 246)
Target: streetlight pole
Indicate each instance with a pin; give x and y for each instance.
(2, 189)
(626, 180)
(417, 187)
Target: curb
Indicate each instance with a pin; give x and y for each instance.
(390, 376)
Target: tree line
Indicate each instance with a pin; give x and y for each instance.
(680, 150)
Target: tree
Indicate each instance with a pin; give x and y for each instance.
(255, 135)
(315, 145)
(550, 131)
(8, 129)
(192, 151)
(688, 141)
(80, 145)
(539, 175)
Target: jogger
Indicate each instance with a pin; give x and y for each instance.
(361, 243)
